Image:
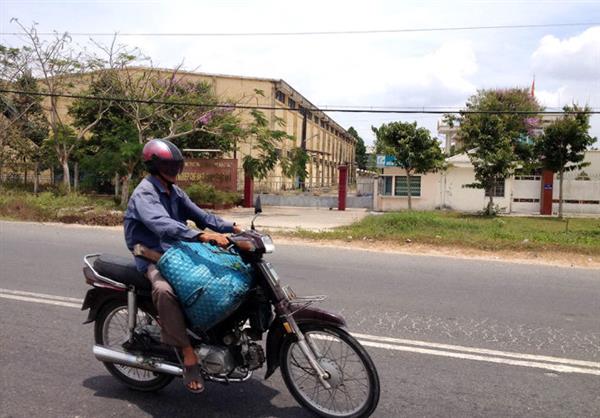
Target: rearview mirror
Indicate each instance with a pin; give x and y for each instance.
(257, 206)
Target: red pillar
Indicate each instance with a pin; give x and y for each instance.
(248, 191)
(546, 192)
(343, 187)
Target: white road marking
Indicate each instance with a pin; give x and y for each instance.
(36, 300)
(40, 295)
(556, 364)
(482, 351)
(548, 366)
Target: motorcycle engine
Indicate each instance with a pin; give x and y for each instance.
(215, 359)
(254, 356)
(248, 353)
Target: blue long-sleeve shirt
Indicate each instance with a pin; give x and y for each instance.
(157, 219)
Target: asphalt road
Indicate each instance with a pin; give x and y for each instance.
(450, 337)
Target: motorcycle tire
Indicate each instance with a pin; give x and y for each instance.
(137, 379)
(340, 378)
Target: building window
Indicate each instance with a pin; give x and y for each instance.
(280, 96)
(402, 187)
(385, 185)
(497, 190)
(291, 103)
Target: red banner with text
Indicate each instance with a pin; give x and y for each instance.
(220, 173)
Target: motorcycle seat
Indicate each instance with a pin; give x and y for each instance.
(122, 270)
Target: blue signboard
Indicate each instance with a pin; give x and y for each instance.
(386, 161)
(548, 186)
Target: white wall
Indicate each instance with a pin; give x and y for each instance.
(428, 200)
(593, 158)
(580, 190)
(458, 197)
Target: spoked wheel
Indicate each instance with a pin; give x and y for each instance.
(352, 375)
(112, 330)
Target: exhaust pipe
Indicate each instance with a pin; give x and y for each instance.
(109, 355)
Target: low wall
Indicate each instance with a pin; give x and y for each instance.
(362, 202)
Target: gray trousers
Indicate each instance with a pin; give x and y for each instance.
(172, 322)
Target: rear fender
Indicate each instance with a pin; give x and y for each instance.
(96, 298)
(277, 334)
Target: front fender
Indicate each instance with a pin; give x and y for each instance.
(277, 334)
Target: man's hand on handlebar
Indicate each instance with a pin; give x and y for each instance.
(237, 229)
(214, 238)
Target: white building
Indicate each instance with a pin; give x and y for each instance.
(517, 194)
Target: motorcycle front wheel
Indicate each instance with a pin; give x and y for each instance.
(112, 330)
(352, 375)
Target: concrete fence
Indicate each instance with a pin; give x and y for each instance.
(308, 200)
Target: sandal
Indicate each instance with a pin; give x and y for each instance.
(192, 374)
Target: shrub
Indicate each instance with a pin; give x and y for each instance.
(48, 206)
(203, 194)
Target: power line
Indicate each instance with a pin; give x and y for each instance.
(315, 33)
(423, 110)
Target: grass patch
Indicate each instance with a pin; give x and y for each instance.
(449, 229)
(55, 207)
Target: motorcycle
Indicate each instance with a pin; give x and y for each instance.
(326, 369)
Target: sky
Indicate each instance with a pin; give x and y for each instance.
(431, 69)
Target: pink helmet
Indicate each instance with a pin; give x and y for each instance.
(162, 156)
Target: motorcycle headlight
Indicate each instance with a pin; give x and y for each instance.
(268, 243)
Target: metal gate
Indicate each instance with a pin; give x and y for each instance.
(526, 194)
(365, 185)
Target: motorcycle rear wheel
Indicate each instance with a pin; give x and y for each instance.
(353, 377)
(111, 330)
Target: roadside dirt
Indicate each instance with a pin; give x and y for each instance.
(548, 258)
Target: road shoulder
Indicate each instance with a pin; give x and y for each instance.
(546, 258)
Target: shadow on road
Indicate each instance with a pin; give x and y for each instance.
(249, 399)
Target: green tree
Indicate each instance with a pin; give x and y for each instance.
(361, 150)
(562, 145)
(32, 123)
(202, 123)
(294, 165)
(13, 64)
(118, 138)
(263, 141)
(413, 148)
(496, 135)
(57, 64)
(111, 152)
(25, 125)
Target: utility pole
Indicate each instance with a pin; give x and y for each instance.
(303, 144)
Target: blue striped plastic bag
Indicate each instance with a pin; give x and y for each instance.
(209, 282)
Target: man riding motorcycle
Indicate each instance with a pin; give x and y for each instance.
(156, 217)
